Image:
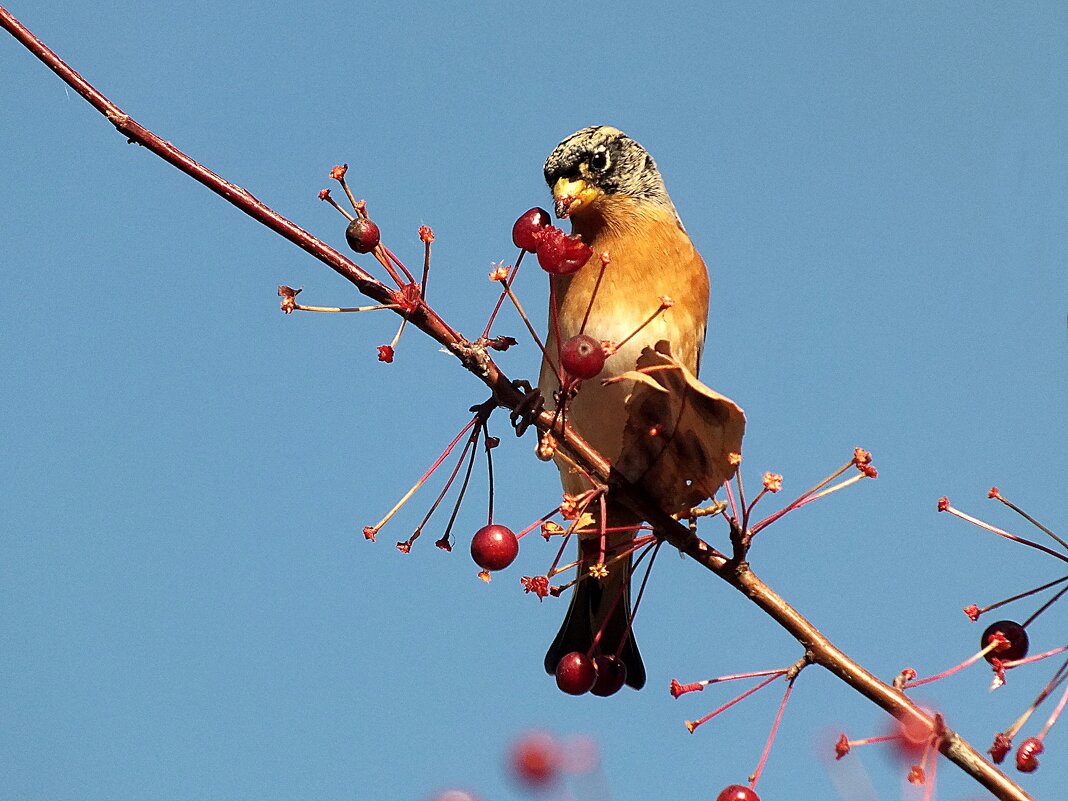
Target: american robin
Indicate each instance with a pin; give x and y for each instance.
(610, 188)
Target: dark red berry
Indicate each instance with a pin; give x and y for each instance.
(582, 356)
(561, 254)
(528, 228)
(1014, 633)
(611, 675)
(575, 673)
(536, 759)
(363, 235)
(737, 792)
(494, 547)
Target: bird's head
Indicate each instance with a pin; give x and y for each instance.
(600, 163)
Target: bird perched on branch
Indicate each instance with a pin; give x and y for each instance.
(610, 188)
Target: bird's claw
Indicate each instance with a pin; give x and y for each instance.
(528, 409)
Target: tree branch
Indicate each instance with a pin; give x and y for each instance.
(475, 359)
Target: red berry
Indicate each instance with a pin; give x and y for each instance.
(561, 254)
(363, 235)
(1014, 633)
(528, 228)
(737, 792)
(611, 675)
(575, 673)
(536, 759)
(494, 547)
(582, 356)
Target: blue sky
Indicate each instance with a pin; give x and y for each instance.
(189, 608)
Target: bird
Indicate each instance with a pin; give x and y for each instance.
(609, 187)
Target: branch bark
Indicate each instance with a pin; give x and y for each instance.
(477, 361)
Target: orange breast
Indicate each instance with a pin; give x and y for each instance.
(650, 256)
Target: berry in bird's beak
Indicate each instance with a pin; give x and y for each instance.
(560, 254)
(528, 228)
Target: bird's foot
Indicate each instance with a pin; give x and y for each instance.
(528, 409)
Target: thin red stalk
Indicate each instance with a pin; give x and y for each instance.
(744, 521)
(536, 524)
(460, 495)
(1044, 607)
(489, 466)
(615, 603)
(448, 483)
(1036, 658)
(756, 674)
(1054, 715)
(426, 270)
(955, 669)
(730, 499)
(994, 530)
(426, 475)
(693, 724)
(593, 295)
(641, 592)
(1031, 520)
(393, 258)
(636, 331)
(500, 301)
(771, 736)
(800, 500)
(1022, 595)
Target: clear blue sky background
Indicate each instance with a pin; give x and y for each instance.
(188, 608)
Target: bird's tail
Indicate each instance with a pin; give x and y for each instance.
(600, 606)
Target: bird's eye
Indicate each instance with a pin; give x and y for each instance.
(599, 161)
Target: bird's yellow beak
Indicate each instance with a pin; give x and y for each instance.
(571, 195)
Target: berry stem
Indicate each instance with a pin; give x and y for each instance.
(697, 686)
(342, 309)
(1025, 594)
(771, 735)
(1054, 715)
(487, 441)
(1057, 679)
(448, 483)
(593, 294)
(500, 301)
(641, 592)
(994, 530)
(615, 603)
(345, 185)
(730, 499)
(537, 523)
(1044, 607)
(1036, 658)
(530, 328)
(554, 320)
(393, 258)
(437, 463)
(664, 306)
(693, 724)
(990, 646)
(741, 502)
(334, 203)
(994, 493)
(801, 498)
(461, 493)
(426, 269)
